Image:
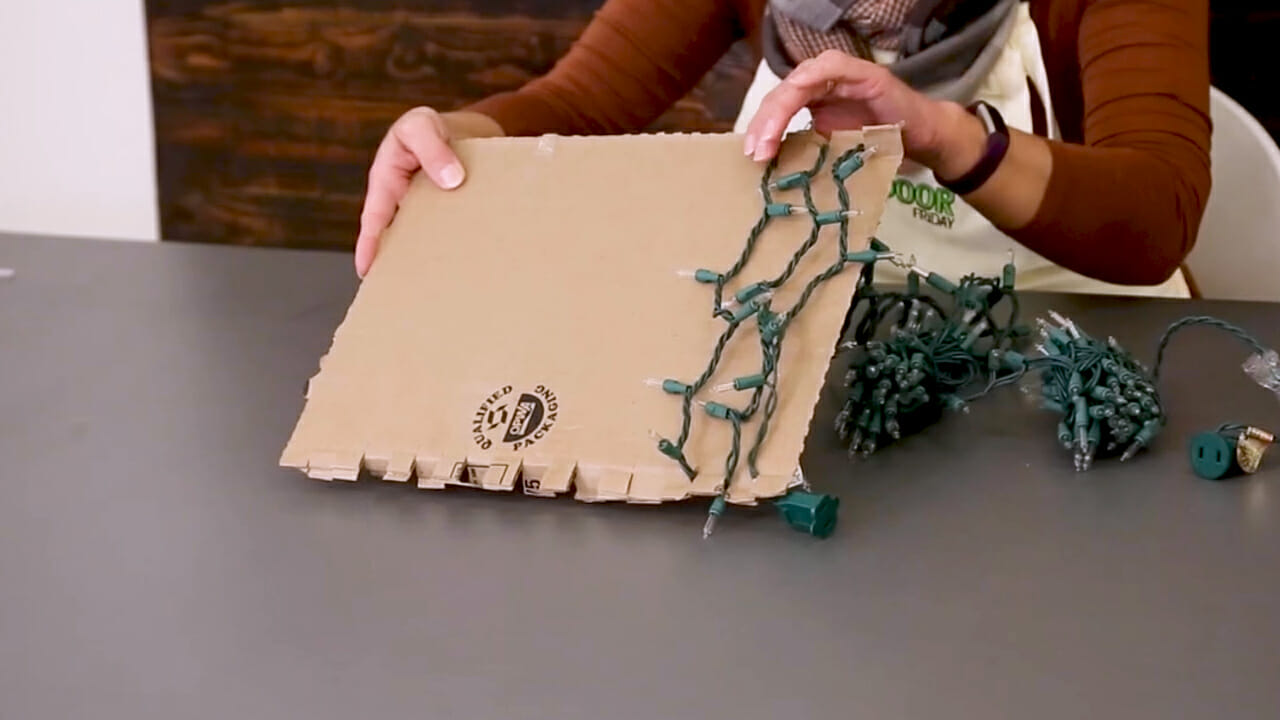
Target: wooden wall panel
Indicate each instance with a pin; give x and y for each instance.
(267, 114)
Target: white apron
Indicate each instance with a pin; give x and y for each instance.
(944, 233)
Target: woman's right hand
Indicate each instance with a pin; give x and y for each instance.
(419, 140)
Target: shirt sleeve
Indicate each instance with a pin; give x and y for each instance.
(633, 61)
(1125, 206)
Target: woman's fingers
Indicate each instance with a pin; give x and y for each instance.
(418, 140)
(831, 75)
(424, 133)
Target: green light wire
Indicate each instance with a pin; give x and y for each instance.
(772, 326)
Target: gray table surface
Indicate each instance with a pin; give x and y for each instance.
(154, 561)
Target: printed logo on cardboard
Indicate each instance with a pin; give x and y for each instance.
(514, 420)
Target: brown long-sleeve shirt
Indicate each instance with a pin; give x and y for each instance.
(1129, 80)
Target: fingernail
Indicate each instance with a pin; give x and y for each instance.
(750, 145)
(451, 176)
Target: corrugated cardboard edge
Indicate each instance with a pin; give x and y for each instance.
(638, 485)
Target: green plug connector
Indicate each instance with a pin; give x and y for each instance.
(778, 209)
(1213, 456)
(792, 181)
(808, 512)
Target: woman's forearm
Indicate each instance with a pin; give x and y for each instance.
(1122, 215)
(1013, 194)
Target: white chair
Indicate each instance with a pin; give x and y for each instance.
(1237, 255)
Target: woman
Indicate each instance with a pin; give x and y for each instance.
(1097, 179)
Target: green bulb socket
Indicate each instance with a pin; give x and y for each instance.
(749, 292)
(1058, 336)
(675, 387)
(745, 311)
(723, 412)
(862, 256)
(1007, 276)
(792, 181)
(809, 512)
(668, 448)
(749, 382)
(940, 283)
(705, 276)
(913, 284)
(718, 506)
(1102, 412)
(849, 165)
(1075, 385)
(1149, 430)
(1053, 407)
(778, 209)
(1081, 416)
(830, 218)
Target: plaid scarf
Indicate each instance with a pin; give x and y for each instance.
(866, 24)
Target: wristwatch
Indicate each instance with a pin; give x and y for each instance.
(997, 148)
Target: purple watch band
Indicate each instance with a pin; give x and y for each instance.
(997, 147)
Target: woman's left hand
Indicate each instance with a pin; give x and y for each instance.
(846, 93)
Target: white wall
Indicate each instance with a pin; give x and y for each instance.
(77, 155)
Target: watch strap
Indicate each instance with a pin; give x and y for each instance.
(997, 147)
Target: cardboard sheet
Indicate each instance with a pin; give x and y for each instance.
(503, 336)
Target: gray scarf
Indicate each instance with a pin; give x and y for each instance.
(952, 69)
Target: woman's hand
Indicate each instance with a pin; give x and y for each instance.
(845, 93)
(419, 140)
